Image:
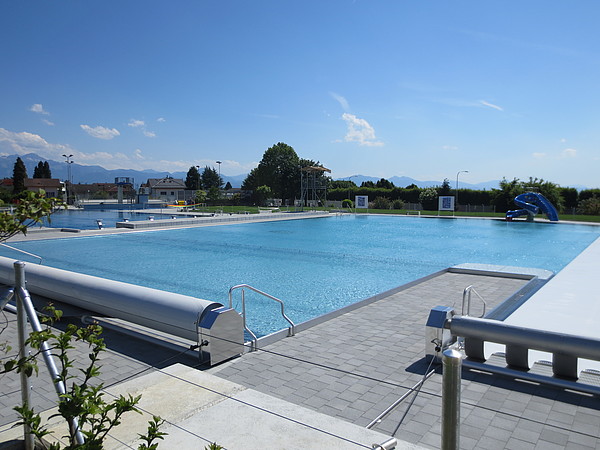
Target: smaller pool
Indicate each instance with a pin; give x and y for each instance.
(87, 219)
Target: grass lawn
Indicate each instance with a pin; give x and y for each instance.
(254, 210)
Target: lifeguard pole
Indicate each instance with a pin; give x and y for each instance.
(313, 189)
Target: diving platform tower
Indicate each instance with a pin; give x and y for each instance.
(313, 186)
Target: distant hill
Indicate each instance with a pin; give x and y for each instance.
(407, 181)
(97, 174)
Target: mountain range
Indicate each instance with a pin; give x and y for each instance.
(96, 174)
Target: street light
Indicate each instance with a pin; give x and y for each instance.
(69, 161)
(459, 172)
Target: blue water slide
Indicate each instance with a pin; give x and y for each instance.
(531, 204)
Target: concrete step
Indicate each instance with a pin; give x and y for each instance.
(201, 408)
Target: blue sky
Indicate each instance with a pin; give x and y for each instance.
(375, 87)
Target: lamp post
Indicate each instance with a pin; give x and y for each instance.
(69, 161)
(459, 172)
(350, 179)
(219, 163)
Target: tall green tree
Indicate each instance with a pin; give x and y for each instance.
(19, 175)
(38, 170)
(47, 172)
(193, 180)
(211, 178)
(278, 169)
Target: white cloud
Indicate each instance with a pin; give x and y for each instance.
(142, 125)
(136, 123)
(341, 100)
(491, 105)
(449, 147)
(161, 119)
(47, 122)
(359, 130)
(569, 153)
(539, 155)
(24, 142)
(101, 132)
(38, 108)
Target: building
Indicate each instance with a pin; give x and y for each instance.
(52, 186)
(167, 189)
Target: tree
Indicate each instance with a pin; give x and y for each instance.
(279, 169)
(263, 193)
(193, 180)
(384, 184)
(19, 175)
(428, 199)
(211, 178)
(200, 196)
(42, 170)
(32, 207)
(47, 172)
(213, 194)
(228, 186)
(367, 184)
(445, 188)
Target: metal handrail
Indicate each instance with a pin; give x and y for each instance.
(22, 251)
(466, 301)
(291, 329)
(26, 310)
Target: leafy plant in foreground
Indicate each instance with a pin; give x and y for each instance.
(82, 400)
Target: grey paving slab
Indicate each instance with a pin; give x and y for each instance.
(377, 351)
(367, 358)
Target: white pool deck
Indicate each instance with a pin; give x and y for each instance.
(569, 303)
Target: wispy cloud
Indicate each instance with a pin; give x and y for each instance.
(101, 132)
(161, 119)
(569, 153)
(135, 123)
(539, 155)
(360, 131)
(491, 105)
(47, 122)
(38, 108)
(341, 100)
(22, 143)
(449, 147)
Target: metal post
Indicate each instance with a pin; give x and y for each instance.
(452, 361)
(23, 347)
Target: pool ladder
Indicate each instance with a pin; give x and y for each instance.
(466, 301)
(254, 345)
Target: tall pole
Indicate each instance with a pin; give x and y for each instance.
(69, 161)
(219, 163)
(459, 172)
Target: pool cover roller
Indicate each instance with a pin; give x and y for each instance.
(171, 313)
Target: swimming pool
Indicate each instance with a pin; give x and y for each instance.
(87, 219)
(314, 265)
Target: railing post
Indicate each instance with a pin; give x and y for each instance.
(23, 347)
(452, 362)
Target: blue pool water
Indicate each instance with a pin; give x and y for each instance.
(314, 265)
(86, 219)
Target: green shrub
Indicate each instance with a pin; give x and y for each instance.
(590, 206)
(397, 204)
(381, 203)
